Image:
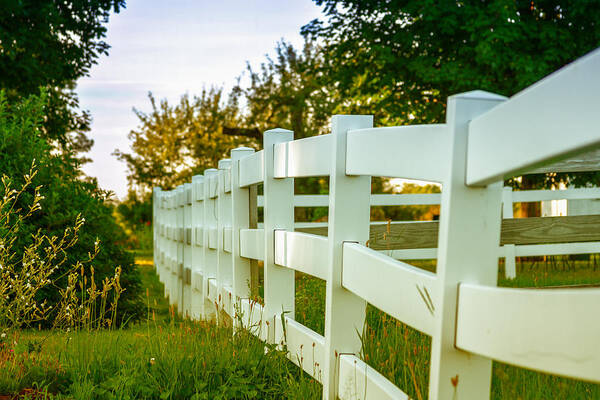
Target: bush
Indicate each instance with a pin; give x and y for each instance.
(67, 193)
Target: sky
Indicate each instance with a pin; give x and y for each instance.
(171, 48)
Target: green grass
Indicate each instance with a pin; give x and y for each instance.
(165, 358)
(171, 358)
(402, 354)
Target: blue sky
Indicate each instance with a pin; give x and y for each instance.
(171, 48)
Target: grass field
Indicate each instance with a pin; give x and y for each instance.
(170, 358)
(402, 354)
(162, 358)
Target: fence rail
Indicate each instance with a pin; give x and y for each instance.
(207, 237)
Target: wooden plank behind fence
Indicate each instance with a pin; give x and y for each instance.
(537, 230)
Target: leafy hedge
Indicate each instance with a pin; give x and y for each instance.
(67, 193)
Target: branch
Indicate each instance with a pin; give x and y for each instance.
(247, 132)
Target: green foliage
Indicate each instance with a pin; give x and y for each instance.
(50, 44)
(173, 143)
(289, 91)
(159, 359)
(67, 195)
(400, 58)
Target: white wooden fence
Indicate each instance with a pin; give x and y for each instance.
(204, 243)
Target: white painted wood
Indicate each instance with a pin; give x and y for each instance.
(225, 300)
(199, 233)
(252, 243)
(467, 252)
(227, 239)
(348, 221)
(278, 214)
(357, 381)
(407, 293)
(224, 213)
(537, 118)
(280, 160)
(212, 238)
(251, 169)
(322, 200)
(414, 152)
(307, 157)
(213, 290)
(305, 347)
(411, 254)
(557, 249)
(186, 309)
(549, 330)
(546, 195)
(302, 252)
(209, 255)
(240, 219)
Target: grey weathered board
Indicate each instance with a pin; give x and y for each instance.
(537, 230)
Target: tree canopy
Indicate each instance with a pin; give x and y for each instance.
(400, 60)
(174, 142)
(50, 44)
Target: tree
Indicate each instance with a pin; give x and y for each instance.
(66, 196)
(289, 92)
(50, 44)
(173, 143)
(401, 59)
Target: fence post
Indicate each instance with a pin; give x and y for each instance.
(278, 214)
(240, 219)
(180, 247)
(224, 269)
(467, 252)
(187, 251)
(209, 255)
(155, 227)
(197, 306)
(349, 209)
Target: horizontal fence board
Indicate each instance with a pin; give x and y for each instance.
(197, 280)
(550, 330)
(252, 318)
(357, 380)
(227, 237)
(406, 293)
(413, 151)
(305, 157)
(251, 169)
(252, 243)
(226, 300)
(212, 290)
(305, 347)
(545, 195)
(322, 200)
(212, 238)
(537, 118)
(302, 252)
(557, 249)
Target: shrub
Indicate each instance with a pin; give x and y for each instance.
(68, 193)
